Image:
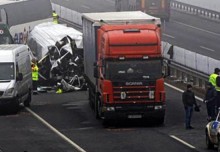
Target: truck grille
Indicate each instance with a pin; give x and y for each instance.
(1, 93)
(132, 93)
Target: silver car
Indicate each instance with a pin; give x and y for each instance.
(212, 132)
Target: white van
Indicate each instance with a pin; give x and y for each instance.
(15, 76)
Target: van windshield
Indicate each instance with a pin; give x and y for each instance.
(7, 71)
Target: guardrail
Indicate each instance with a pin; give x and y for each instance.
(184, 65)
(195, 10)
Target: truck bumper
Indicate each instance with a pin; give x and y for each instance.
(135, 112)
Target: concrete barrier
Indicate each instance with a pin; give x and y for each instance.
(196, 10)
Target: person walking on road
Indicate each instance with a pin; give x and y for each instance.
(189, 101)
(210, 100)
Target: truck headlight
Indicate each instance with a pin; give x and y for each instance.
(110, 108)
(158, 107)
(9, 92)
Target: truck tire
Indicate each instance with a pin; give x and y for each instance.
(97, 108)
(209, 144)
(91, 101)
(28, 100)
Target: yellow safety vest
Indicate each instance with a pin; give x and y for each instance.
(35, 73)
(55, 18)
(59, 91)
(212, 80)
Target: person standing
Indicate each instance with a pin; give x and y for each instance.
(213, 80)
(189, 101)
(210, 100)
(34, 75)
(55, 17)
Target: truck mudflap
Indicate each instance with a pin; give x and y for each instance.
(134, 112)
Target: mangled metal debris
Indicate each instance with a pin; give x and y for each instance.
(60, 55)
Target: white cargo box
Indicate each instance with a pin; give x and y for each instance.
(128, 17)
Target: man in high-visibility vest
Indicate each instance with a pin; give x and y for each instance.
(55, 17)
(213, 76)
(212, 80)
(34, 75)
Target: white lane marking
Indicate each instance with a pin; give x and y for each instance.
(180, 90)
(203, 47)
(84, 6)
(217, 34)
(170, 36)
(183, 142)
(56, 131)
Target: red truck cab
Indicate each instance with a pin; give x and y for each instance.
(128, 81)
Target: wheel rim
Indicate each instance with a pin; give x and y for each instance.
(207, 140)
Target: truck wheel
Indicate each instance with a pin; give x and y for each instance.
(98, 107)
(209, 144)
(91, 103)
(28, 100)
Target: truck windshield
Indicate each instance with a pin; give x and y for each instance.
(5, 36)
(133, 70)
(7, 71)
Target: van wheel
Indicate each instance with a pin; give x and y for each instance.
(15, 107)
(28, 100)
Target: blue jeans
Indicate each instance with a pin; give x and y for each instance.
(188, 115)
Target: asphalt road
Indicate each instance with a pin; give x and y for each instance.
(71, 115)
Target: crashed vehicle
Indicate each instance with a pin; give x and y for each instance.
(59, 52)
(212, 132)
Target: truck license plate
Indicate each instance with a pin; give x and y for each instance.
(134, 116)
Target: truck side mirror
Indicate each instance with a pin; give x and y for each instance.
(19, 77)
(165, 69)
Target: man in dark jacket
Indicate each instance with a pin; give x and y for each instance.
(189, 100)
(210, 100)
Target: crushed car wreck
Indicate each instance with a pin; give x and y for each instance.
(59, 52)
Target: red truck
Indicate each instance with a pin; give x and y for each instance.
(123, 65)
